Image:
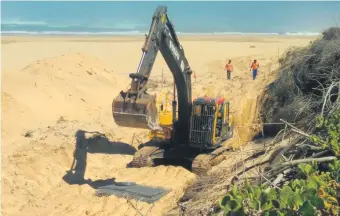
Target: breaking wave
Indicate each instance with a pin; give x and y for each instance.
(144, 32)
(22, 27)
(70, 33)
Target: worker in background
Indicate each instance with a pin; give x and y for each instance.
(229, 69)
(254, 67)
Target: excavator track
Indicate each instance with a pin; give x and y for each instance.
(142, 157)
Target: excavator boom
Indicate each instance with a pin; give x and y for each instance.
(136, 108)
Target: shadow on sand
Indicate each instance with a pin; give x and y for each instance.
(98, 143)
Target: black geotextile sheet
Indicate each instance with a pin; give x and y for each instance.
(138, 192)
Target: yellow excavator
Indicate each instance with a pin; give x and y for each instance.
(195, 132)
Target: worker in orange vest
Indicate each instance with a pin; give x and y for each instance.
(254, 66)
(229, 69)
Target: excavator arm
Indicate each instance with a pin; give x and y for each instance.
(135, 107)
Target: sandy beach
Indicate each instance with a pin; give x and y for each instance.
(53, 87)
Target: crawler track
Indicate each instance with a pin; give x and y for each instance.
(142, 157)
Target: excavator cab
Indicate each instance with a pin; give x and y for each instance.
(210, 123)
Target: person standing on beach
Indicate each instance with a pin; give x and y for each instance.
(254, 67)
(229, 69)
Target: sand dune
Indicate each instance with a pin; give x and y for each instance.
(56, 87)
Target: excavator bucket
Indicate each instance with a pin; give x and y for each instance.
(139, 114)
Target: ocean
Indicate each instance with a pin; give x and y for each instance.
(134, 18)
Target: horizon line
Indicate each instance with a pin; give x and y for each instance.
(141, 33)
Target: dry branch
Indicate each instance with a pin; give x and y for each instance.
(307, 160)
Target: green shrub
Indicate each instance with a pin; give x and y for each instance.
(315, 194)
(329, 132)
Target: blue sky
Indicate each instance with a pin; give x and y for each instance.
(188, 16)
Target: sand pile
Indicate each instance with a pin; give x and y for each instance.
(44, 105)
(50, 88)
